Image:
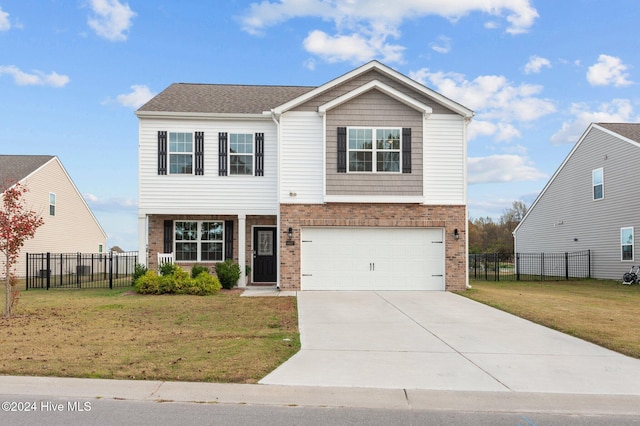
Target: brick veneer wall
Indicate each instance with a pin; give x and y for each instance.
(374, 215)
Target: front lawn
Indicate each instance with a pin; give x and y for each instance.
(603, 312)
(117, 334)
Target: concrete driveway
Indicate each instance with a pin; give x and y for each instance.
(442, 341)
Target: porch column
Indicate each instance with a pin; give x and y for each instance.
(142, 241)
(242, 242)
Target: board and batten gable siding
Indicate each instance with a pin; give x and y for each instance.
(207, 193)
(445, 157)
(302, 172)
(361, 80)
(73, 229)
(374, 109)
(565, 218)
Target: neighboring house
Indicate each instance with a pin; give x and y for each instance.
(69, 225)
(359, 183)
(591, 202)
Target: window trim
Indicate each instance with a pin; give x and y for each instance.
(238, 154)
(374, 150)
(171, 153)
(622, 244)
(594, 185)
(199, 241)
(52, 203)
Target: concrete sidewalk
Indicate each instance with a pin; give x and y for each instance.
(41, 388)
(442, 341)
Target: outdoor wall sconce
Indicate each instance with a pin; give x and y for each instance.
(290, 233)
(456, 234)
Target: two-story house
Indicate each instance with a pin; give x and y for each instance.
(359, 183)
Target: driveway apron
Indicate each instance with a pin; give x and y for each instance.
(442, 341)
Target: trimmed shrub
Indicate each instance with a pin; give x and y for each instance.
(228, 273)
(168, 269)
(138, 271)
(149, 283)
(196, 269)
(178, 282)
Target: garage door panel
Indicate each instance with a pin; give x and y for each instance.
(372, 259)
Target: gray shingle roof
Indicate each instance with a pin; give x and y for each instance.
(628, 130)
(14, 168)
(222, 98)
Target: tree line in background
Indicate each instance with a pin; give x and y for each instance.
(489, 236)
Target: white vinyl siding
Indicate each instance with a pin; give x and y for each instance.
(302, 153)
(207, 193)
(444, 160)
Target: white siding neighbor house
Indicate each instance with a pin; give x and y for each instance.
(359, 183)
(590, 203)
(69, 225)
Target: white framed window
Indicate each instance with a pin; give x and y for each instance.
(597, 177)
(375, 150)
(52, 204)
(180, 153)
(626, 243)
(241, 154)
(199, 241)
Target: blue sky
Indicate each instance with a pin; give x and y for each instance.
(72, 73)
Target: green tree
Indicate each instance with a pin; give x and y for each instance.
(489, 236)
(17, 224)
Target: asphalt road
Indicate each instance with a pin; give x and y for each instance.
(64, 412)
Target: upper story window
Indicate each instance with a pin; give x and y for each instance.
(241, 154)
(626, 243)
(180, 153)
(199, 241)
(374, 149)
(598, 184)
(52, 204)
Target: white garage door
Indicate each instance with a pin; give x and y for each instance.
(372, 259)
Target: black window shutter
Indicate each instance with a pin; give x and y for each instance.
(222, 154)
(168, 236)
(228, 239)
(162, 152)
(259, 154)
(406, 150)
(342, 150)
(199, 153)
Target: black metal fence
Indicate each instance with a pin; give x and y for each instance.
(530, 266)
(80, 270)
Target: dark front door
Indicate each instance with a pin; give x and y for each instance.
(264, 255)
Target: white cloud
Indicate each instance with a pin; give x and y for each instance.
(608, 71)
(350, 48)
(496, 101)
(37, 78)
(442, 45)
(111, 19)
(501, 168)
(616, 111)
(110, 204)
(138, 96)
(370, 23)
(5, 24)
(535, 64)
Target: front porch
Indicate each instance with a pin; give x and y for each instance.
(249, 240)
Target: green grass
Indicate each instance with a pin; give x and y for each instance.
(603, 312)
(118, 334)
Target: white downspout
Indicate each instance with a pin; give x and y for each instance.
(274, 117)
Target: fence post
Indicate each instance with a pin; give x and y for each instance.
(541, 266)
(589, 260)
(566, 265)
(110, 270)
(27, 279)
(48, 270)
(517, 266)
(497, 266)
